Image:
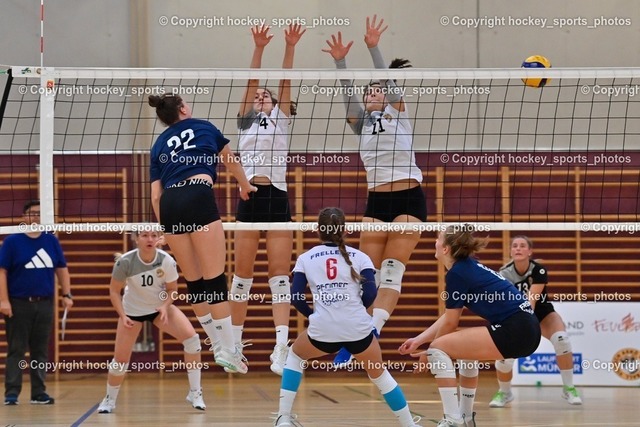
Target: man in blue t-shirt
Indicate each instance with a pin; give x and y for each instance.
(28, 264)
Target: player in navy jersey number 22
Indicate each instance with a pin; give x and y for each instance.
(183, 170)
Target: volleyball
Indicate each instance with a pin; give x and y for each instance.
(536, 61)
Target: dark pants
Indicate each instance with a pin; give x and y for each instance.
(28, 329)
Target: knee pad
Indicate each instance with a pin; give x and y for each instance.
(196, 291)
(561, 343)
(118, 369)
(468, 368)
(240, 289)
(441, 364)
(391, 272)
(192, 345)
(294, 362)
(280, 289)
(216, 289)
(505, 366)
(377, 278)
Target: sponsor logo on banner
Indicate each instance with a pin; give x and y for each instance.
(627, 363)
(627, 324)
(545, 363)
(574, 327)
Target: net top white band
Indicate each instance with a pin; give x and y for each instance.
(325, 74)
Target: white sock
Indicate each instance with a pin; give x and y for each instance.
(194, 379)
(237, 333)
(567, 377)
(449, 396)
(282, 334)
(380, 317)
(505, 386)
(207, 324)
(223, 327)
(467, 396)
(112, 392)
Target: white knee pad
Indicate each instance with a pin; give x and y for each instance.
(377, 278)
(505, 366)
(468, 368)
(118, 369)
(240, 289)
(280, 289)
(441, 364)
(391, 272)
(294, 362)
(561, 343)
(192, 345)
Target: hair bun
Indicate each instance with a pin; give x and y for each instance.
(154, 100)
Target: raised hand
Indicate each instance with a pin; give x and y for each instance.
(374, 31)
(260, 36)
(292, 36)
(336, 49)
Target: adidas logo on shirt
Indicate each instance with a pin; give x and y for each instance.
(40, 260)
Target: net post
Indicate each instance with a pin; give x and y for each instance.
(46, 185)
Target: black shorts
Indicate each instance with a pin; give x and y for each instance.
(542, 310)
(188, 208)
(387, 206)
(150, 317)
(518, 336)
(268, 204)
(353, 347)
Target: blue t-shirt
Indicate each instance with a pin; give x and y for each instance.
(31, 264)
(189, 147)
(485, 292)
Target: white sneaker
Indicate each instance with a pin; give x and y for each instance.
(414, 421)
(448, 422)
(107, 405)
(278, 358)
(232, 359)
(471, 422)
(500, 399)
(289, 420)
(571, 395)
(195, 398)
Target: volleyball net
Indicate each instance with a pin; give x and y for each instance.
(494, 152)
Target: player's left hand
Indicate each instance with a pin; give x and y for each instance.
(67, 302)
(244, 192)
(163, 314)
(423, 362)
(292, 36)
(374, 31)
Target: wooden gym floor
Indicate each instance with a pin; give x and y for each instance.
(334, 399)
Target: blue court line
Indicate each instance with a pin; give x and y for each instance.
(86, 415)
(324, 396)
(380, 399)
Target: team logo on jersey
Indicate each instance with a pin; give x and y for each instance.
(159, 273)
(388, 116)
(626, 364)
(543, 271)
(40, 260)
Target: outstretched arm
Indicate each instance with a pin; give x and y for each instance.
(291, 38)
(233, 165)
(372, 38)
(339, 52)
(260, 39)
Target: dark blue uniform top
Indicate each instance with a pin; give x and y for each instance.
(485, 292)
(186, 148)
(31, 264)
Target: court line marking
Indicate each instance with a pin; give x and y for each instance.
(324, 396)
(86, 415)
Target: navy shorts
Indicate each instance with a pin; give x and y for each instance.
(353, 347)
(543, 309)
(268, 204)
(387, 206)
(517, 336)
(188, 207)
(150, 317)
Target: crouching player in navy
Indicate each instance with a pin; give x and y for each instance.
(530, 277)
(342, 283)
(513, 331)
(150, 280)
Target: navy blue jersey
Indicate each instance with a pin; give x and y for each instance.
(31, 264)
(485, 292)
(186, 148)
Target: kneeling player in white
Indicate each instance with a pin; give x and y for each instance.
(151, 280)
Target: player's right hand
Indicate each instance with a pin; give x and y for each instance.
(5, 308)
